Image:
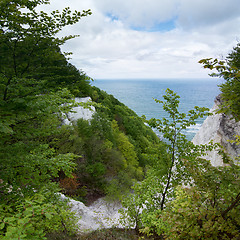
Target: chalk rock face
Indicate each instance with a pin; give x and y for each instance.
(220, 128)
(80, 112)
(101, 214)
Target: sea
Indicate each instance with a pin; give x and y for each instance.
(139, 95)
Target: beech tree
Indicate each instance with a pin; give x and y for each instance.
(167, 171)
(183, 196)
(229, 70)
(32, 96)
(29, 46)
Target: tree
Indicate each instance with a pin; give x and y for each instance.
(169, 171)
(29, 44)
(183, 196)
(209, 209)
(32, 97)
(229, 70)
(178, 147)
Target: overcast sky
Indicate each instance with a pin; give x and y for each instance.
(150, 38)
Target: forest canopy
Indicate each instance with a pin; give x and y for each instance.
(39, 155)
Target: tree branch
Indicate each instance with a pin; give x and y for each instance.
(169, 175)
(6, 89)
(233, 205)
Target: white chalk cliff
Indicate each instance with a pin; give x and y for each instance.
(221, 129)
(79, 111)
(101, 214)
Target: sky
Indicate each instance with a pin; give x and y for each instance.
(154, 39)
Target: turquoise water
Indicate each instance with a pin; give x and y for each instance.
(138, 95)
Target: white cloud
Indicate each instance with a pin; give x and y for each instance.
(140, 13)
(197, 13)
(109, 47)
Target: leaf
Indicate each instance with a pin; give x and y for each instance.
(2, 225)
(48, 215)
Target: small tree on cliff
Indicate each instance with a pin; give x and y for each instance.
(208, 205)
(229, 69)
(153, 194)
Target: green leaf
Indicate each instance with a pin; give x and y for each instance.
(2, 225)
(48, 215)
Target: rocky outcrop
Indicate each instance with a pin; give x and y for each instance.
(80, 111)
(221, 129)
(101, 214)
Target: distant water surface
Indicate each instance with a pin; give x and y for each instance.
(139, 95)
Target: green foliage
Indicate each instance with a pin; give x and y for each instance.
(178, 147)
(209, 210)
(166, 170)
(27, 164)
(111, 234)
(125, 147)
(36, 87)
(229, 69)
(112, 156)
(140, 135)
(31, 61)
(32, 217)
(144, 199)
(109, 161)
(129, 169)
(206, 208)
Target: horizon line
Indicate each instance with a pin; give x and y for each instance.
(180, 78)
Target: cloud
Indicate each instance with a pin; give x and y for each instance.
(199, 13)
(150, 38)
(139, 13)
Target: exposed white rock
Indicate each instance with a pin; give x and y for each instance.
(101, 214)
(107, 211)
(80, 112)
(221, 129)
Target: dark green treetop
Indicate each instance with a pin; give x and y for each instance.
(229, 70)
(32, 97)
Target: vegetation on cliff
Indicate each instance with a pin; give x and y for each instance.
(40, 156)
(189, 198)
(229, 70)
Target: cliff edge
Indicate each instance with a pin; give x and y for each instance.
(221, 129)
